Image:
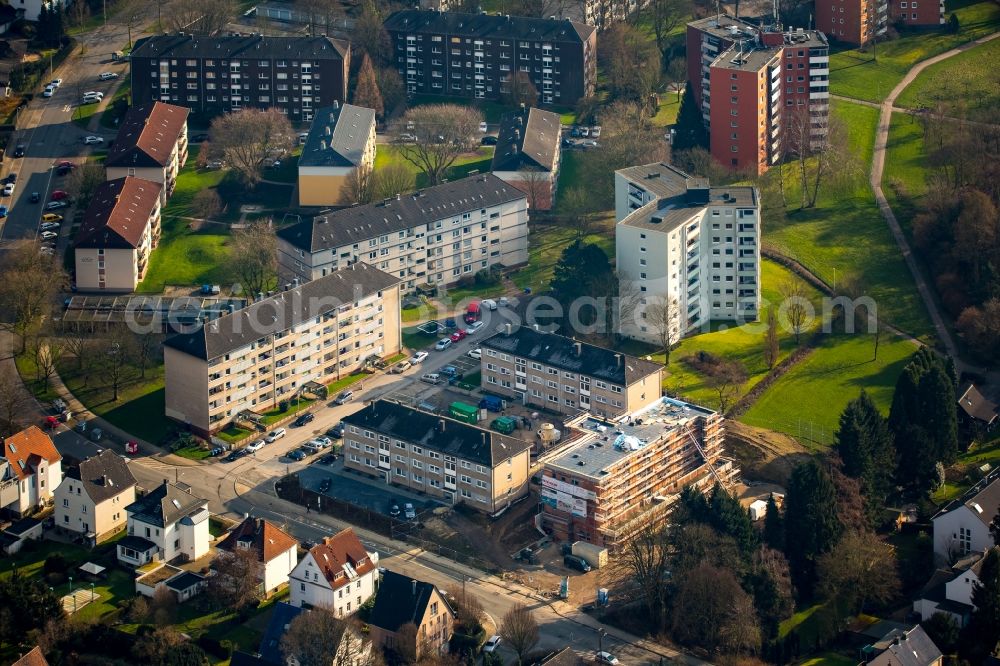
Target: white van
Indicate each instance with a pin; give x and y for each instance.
(489, 304)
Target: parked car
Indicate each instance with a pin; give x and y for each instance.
(44, 226)
(432, 378)
(96, 434)
(336, 431)
(19, 150)
(459, 335)
(476, 353)
(8, 189)
(55, 83)
(488, 141)
(216, 451)
(256, 446)
(406, 137)
(584, 132)
(303, 420)
(48, 92)
(450, 371)
(3, 211)
(409, 512)
(52, 217)
(324, 485)
(328, 459)
(473, 327)
(314, 445)
(46, 235)
(59, 195)
(324, 440)
(483, 127)
(107, 76)
(595, 132)
(81, 426)
(394, 510)
(91, 140)
(443, 344)
(578, 563)
(11, 178)
(401, 367)
(492, 644)
(56, 205)
(66, 164)
(607, 658)
(344, 398)
(418, 357)
(297, 455)
(275, 435)
(35, 197)
(234, 456)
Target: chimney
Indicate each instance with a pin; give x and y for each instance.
(104, 479)
(336, 104)
(618, 360)
(507, 329)
(579, 348)
(440, 425)
(414, 588)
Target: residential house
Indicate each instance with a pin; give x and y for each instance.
(352, 648)
(445, 458)
(337, 573)
(903, 647)
(119, 231)
(962, 526)
(164, 524)
(977, 409)
(621, 476)
(528, 155)
(20, 532)
(224, 73)
(435, 236)
(34, 657)
(8, 15)
(567, 376)
(30, 471)
(275, 550)
(949, 590)
(759, 89)
(341, 143)
(155, 576)
(279, 346)
(476, 56)
(92, 497)
(403, 601)
(685, 245)
(152, 144)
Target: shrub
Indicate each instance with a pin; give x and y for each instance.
(55, 564)
(466, 281)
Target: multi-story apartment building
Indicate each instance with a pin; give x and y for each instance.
(528, 155)
(566, 376)
(118, 234)
(30, 471)
(917, 14)
(402, 601)
(476, 55)
(598, 13)
(447, 459)
(340, 142)
(213, 75)
(152, 144)
(92, 497)
(272, 350)
(688, 246)
(338, 573)
(166, 523)
(858, 21)
(771, 89)
(434, 236)
(622, 476)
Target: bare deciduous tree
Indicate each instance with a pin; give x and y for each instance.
(47, 352)
(665, 16)
(235, 583)
(321, 14)
(795, 306)
(518, 89)
(83, 182)
(206, 204)
(254, 258)
(313, 638)
(199, 17)
(645, 563)
(116, 366)
(859, 569)
(538, 186)
(519, 630)
(468, 610)
(246, 138)
(29, 286)
(392, 180)
(726, 378)
(13, 402)
(771, 346)
(443, 132)
(360, 185)
(663, 314)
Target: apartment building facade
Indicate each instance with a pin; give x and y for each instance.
(447, 459)
(274, 349)
(119, 232)
(92, 497)
(622, 476)
(856, 21)
(341, 141)
(475, 56)
(566, 376)
(912, 14)
(434, 236)
(152, 144)
(220, 74)
(771, 89)
(688, 245)
(528, 155)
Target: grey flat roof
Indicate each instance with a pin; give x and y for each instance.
(606, 444)
(659, 178)
(668, 213)
(719, 26)
(430, 21)
(750, 59)
(338, 136)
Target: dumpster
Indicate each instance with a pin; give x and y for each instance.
(504, 424)
(464, 412)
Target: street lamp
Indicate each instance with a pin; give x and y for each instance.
(91, 592)
(71, 585)
(600, 639)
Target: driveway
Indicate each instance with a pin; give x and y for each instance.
(364, 493)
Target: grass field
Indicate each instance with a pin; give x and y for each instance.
(855, 73)
(807, 402)
(478, 161)
(546, 244)
(962, 78)
(186, 257)
(904, 179)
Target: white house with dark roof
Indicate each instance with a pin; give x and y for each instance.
(30, 471)
(92, 498)
(166, 523)
(435, 236)
(528, 155)
(949, 590)
(963, 525)
(340, 142)
(903, 647)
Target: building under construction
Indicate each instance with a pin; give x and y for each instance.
(621, 477)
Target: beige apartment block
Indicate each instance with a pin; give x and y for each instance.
(341, 141)
(444, 458)
(92, 497)
(621, 476)
(152, 144)
(558, 373)
(434, 236)
(276, 348)
(118, 234)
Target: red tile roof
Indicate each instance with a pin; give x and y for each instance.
(268, 540)
(118, 214)
(26, 449)
(33, 658)
(148, 135)
(338, 550)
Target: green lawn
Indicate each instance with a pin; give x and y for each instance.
(844, 236)
(830, 659)
(477, 161)
(666, 113)
(904, 179)
(415, 341)
(186, 257)
(807, 402)
(854, 73)
(570, 175)
(108, 593)
(545, 245)
(83, 113)
(492, 111)
(962, 78)
(335, 387)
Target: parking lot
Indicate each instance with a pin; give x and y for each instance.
(364, 493)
